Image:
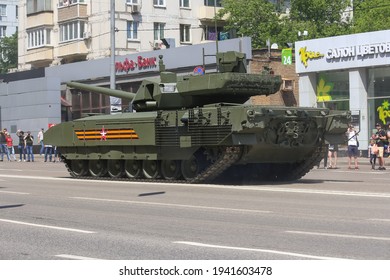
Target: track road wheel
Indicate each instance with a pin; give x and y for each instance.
(151, 169)
(133, 169)
(78, 168)
(97, 168)
(170, 169)
(192, 167)
(115, 168)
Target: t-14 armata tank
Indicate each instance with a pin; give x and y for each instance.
(197, 128)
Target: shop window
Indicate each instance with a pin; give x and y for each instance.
(333, 90)
(378, 96)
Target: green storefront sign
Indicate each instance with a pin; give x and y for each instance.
(287, 56)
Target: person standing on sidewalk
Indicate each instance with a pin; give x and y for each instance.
(3, 144)
(29, 142)
(381, 140)
(353, 150)
(10, 146)
(21, 146)
(40, 141)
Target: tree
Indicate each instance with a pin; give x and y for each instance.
(8, 53)
(324, 17)
(370, 15)
(254, 18)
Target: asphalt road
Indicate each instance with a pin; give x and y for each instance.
(328, 214)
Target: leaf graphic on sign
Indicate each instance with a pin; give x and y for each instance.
(323, 90)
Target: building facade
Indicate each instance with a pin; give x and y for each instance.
(349, 72)
(37, 98)
(54, 32)
(8, 18)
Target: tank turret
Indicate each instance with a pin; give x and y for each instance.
(231, 85)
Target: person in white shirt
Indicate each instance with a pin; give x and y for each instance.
(353, 145)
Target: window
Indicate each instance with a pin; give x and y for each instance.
(35, 6)
(132, 2)
(185, 33)
(210, 34)
(158, 30)
(3, 10)
(184, 3)
(333, 90)
(72, 30)
(38, 38)
(160, 3)
(132, 30)
(212, 3)
(64, 3)
(3, 31)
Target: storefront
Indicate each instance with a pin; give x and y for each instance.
(349, 72)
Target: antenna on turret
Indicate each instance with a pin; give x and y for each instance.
(161, 65)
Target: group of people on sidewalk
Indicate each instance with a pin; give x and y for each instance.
(25, 146)
(379, 148)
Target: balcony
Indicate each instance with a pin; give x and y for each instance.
(206, 13)
(40, 19)
(73, 51)
(71, 12)
(40, 57)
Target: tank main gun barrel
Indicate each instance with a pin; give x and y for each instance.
(102, 90)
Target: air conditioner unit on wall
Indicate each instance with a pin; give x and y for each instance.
(87, 35)
(157, 44)
(287, 85)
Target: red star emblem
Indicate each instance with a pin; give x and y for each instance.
(103, 133)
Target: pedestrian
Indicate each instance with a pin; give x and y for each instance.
(10, 146)
(333, 149)
(21, 146)
(353, 145)
(381, 140)
(325, 158)
(28, 143)
(40, 141)
(48, 152)
(3, 144)
(373, 152)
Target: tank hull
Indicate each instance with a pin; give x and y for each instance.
(193, 142)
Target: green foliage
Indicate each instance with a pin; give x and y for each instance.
(371, 15)
(254, 18)
(8, 53)
(261, 19)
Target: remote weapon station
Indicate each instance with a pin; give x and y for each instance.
(198, 128)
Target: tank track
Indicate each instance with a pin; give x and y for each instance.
(227, 158)
(298, 170)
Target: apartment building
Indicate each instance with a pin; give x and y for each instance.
(55, 32)
(8, 18)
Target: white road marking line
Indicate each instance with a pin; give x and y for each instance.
(74, 257)
(45, 226)
(13, 192)
(380, 220)
(249, 188)
(173, 205)
(340, 235)
(256, 250)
